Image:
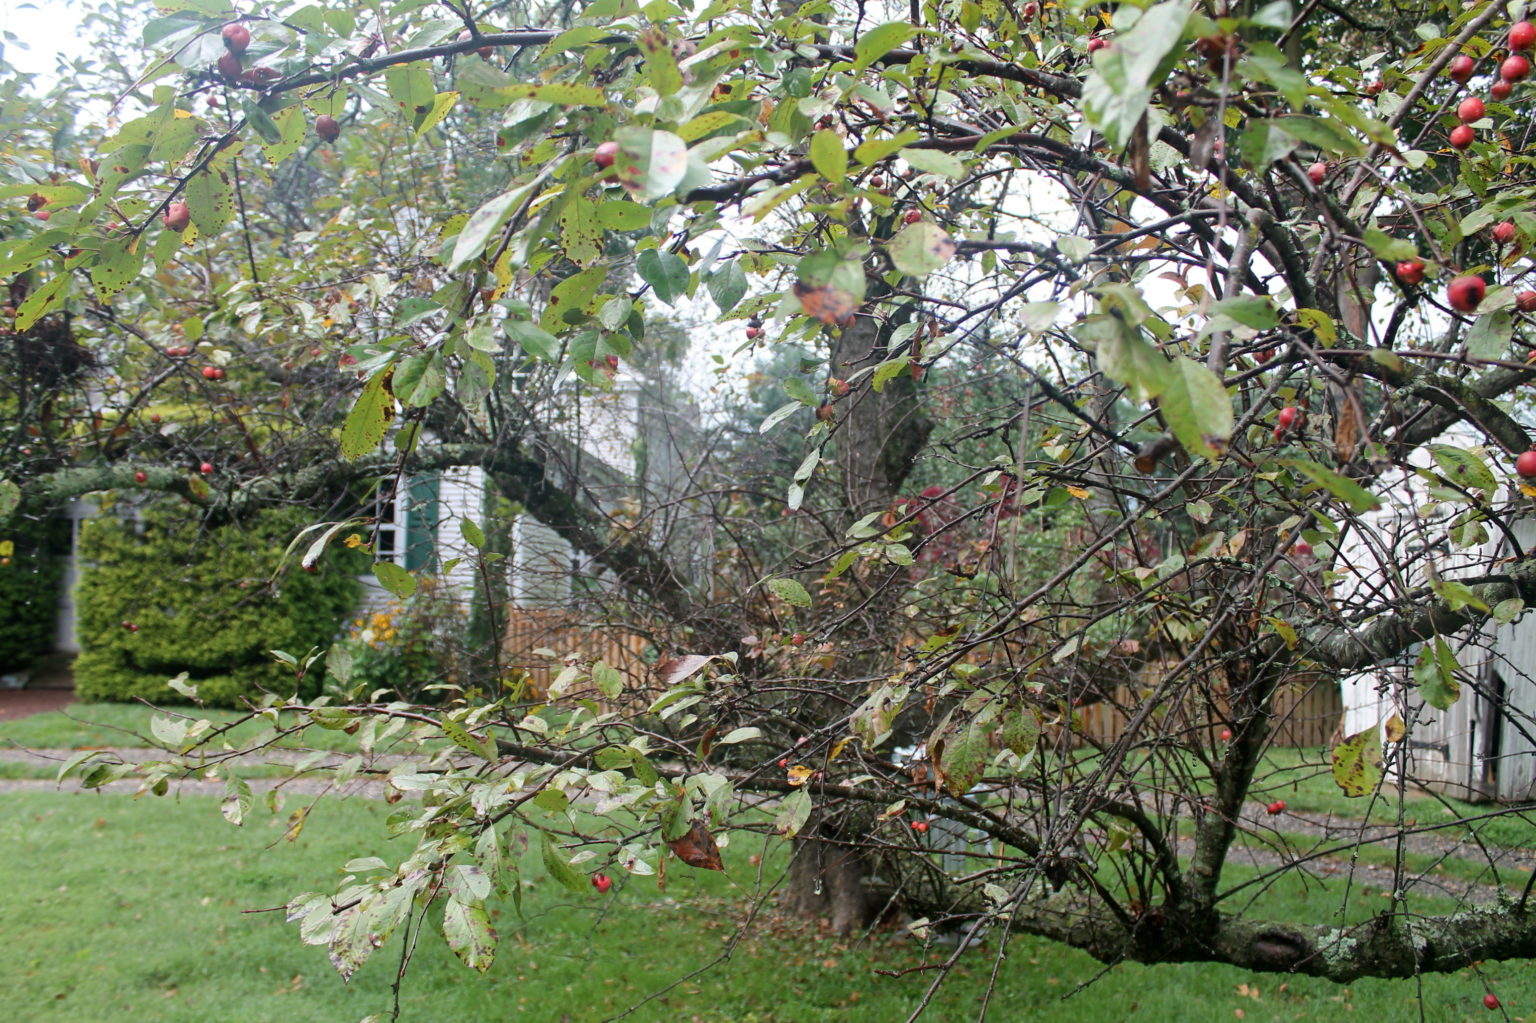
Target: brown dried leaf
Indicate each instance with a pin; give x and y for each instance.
(697, 848)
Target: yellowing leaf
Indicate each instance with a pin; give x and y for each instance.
(1357, 763)
(799, 774)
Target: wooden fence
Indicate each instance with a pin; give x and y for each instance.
(539, 642)
(1307, 715)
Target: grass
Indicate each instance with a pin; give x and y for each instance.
(121, 909)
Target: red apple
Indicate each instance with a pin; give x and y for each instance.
(1525, 465)
(210, 372)
(1461, 137)
(176, 217)
(1522, 35)
(1095, 44)
(1465, 293)
(1462, 67)
(327, 127)
(919, 826)
(605, 154)
(1287, 417)
(1491, 1000)
(1375, 88)
(1504, 232)
(1276, 807)
(1032, 9)
(236, 37)
(826, 413)
(206, 468)
(140, 477)
(839, 388)
(1515, 68)
(1500, 90)
(1226, 734)
(229, 66)
(1318, 173)
(911, 216)
(602, 882)
(753, 333)
(1526, 301)
(1411, 271)
(1470, 109)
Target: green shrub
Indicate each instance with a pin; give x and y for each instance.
(202, 601)
(30, 572)
(407, 647)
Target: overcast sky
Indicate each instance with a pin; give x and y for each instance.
(42, 29)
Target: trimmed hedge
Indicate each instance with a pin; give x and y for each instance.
(201, 601)
(29, 591)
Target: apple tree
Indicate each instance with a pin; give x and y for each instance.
(1150, 361)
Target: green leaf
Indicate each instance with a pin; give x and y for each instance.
(534, 340)
(650, 164)
(660, 63)
(964, 749)
(1128, 359)
(829, 156)
(880, 40)
(665, 272)
(419, 380)
(394, 578)
(889, 370)
(559, 869)
(237, 800)
(623, 215)
(471, 531)
(467, 930)
(1356, 497)
(117, 267)
(464, 739)
(1198, 409)
(1464, 468)
(921, 248)
(789, 590)
(1488, 337)
(1385, 247)
(483, 223)
(580, 232)
(1357, 763)
(608, 679)
(441, 104)
(1435, 675)
(932, 161)
(1124, 75)
(10, 497)
(410, 86)
(794, 811)
(42, 301)
(728, 286)
(368, 422)
(1329, 136)
(1257, 312)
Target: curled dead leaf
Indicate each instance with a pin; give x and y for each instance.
(697, 848)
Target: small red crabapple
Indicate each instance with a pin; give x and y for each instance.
(1277, 806)
(1491, 1000)
(140, 477)
(1470, 109)
(602, 882)
(206, 468)
(1525, 465)
(1462, 137)
(1318, 173)
(1525, 301)
(1226, 734)
(1461, 69)
(919, 826)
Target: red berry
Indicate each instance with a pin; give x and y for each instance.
(1032, 9)
(1375, 88)
(1491, 1000)
(1301, 549)
(229, 66)
(206, 468)
(1264, 356)
(236, 37)
(140, 477)
(1226, 734)
(839, 388)
(1525, 465)
(605, 154)
(1504, 233)
(1462, 67)
(42, 214)
(1287, 417)
(210, 372)
(1500, 90)
(1522, 35)
(1461, 137)
(1276, 807)
(176, 217)
(784, 762)
(1410, 271)
(1526, 301)
(327, 127)
(1515, 68)
(1279, 433)
(1470, 109)
(602, 882)
(1095, 44)
(1318, 172)
(1465, 293)
(911, 216)
(919, 826)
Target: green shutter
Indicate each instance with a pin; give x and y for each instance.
(421, 524)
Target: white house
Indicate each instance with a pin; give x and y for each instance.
(1484, 745)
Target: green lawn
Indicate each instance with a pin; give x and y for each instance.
(119, 909)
